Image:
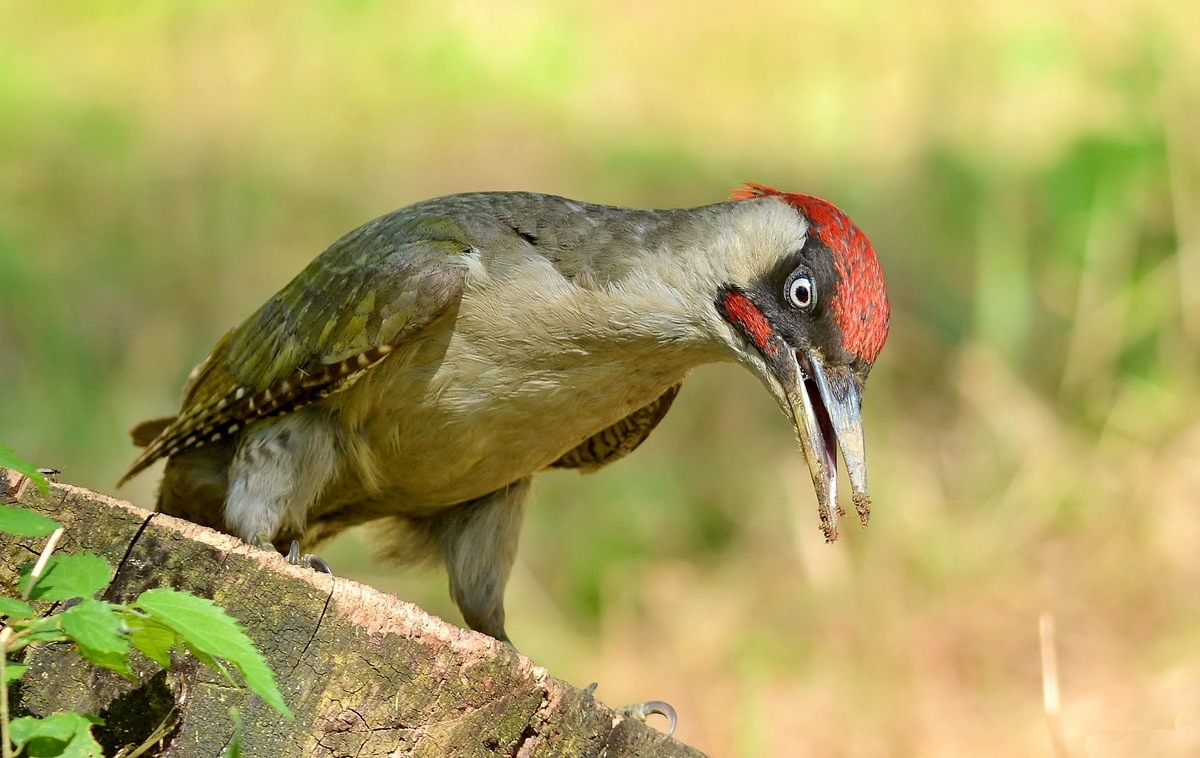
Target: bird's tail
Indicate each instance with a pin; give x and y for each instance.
(145, 432)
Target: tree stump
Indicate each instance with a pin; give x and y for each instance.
(367, 674)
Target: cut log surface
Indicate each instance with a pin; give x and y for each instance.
(366, 674)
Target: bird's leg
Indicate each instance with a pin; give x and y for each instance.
(478, 542)
(643, 711)
(278, 471)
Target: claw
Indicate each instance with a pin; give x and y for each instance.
(315, 562)
(641, 711)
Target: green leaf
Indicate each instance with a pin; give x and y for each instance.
(12, 672)
(45, 629)
(154, 640)
(15, 609)
(49, 635)
(83, 745)
(233, 749)
(68, 576)
(216, 664)
(60, 726)
(24, 522)
(206, 628)
(96, 630)
(60, 734)
(9, 459)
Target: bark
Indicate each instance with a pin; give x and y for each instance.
(367, 674)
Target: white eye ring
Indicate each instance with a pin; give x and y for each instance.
(802, 292)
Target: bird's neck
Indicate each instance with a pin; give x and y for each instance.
(671, 265)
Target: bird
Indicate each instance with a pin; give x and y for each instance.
(426, 366)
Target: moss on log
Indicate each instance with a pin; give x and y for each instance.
(367, 674)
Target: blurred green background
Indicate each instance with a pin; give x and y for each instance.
(1029, 173)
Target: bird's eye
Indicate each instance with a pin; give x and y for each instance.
(802, 293)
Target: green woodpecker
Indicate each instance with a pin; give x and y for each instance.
(425, 367)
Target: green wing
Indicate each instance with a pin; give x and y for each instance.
(619, 440)
(368, 294)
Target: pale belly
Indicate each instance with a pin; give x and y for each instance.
(458, 422)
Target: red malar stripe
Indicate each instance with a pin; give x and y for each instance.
(739, 310)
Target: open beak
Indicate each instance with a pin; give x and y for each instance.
(825, 405)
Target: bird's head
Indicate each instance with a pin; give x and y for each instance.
(810, 319)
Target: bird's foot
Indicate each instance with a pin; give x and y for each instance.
(642, 711)
(262, 542)
(293, 556)
(314, 562)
